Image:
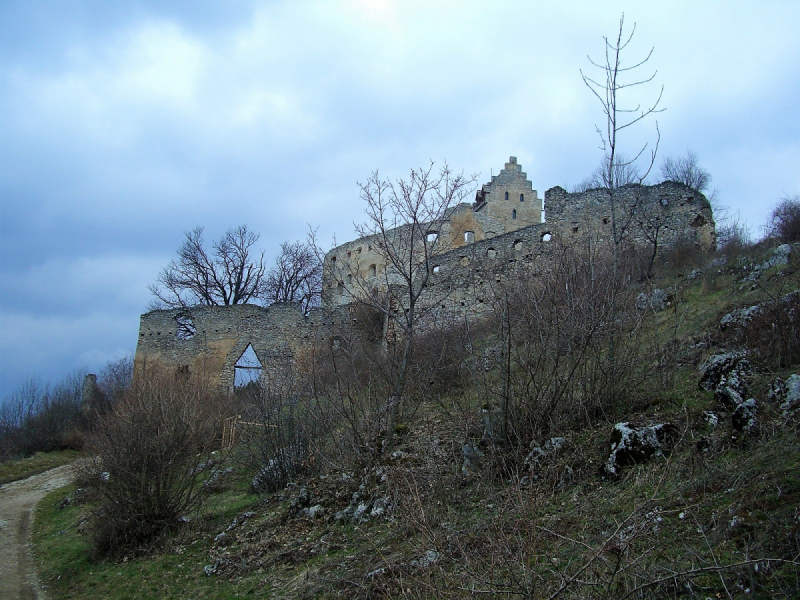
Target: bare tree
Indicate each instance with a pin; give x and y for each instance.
(686, 170)
(296, 275)
(784, 221)
(617, 77)
(231, 273)
(404, 221)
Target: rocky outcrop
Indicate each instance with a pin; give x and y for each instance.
(632, 445)
(728, 375)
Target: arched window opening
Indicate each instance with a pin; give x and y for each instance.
(506, 195)
(491, 253)
(514, 214)
(522, 197)
(469, 236)
(247, 369)
(546, 237)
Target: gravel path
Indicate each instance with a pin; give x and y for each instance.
(17, 501)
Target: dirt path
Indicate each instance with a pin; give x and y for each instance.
(17, 500)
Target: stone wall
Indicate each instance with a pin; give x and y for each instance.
(210, 339)
(465, 275)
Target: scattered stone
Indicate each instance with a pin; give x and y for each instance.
(779, 256)
(744, 417)
(696, 274)
(718, 262)
(631, 445)
(217, 477)
(656, 300)
(431, 557)
(710, 418)
(363, 508)
(538, 453)
(740, 317)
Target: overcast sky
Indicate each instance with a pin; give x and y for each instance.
(125, 124)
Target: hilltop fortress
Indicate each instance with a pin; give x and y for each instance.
(479, 245)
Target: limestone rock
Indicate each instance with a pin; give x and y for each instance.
(744, 417)
(656, 300)
(537, 453)
(632, 445)
(728, 375)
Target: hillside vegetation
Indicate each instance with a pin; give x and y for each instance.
(499, 480)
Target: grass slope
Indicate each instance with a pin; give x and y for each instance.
(717, 517)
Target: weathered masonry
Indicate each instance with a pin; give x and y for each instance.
(230, 344)
(480, 245)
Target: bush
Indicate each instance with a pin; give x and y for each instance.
(272, 437)
(149, 458)
(784, 222)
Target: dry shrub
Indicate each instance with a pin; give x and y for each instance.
(773, 335)
(149, 458)
(272, 440)
(784, 222)
(572, 348)
(347, 391)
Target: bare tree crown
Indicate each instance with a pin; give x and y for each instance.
(231, 273)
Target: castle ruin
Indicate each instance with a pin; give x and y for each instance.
(479, 245)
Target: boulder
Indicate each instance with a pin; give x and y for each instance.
(632, 445)
(656, 300)
(790, 395)
(744, 417)
(728, 375)
(718, 262)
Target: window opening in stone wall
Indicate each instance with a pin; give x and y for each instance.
(491, 253)
(514, 214)
(518, 245)
(506, 195)
(349, 279)
(436, 269)
(469, 236)
(185, 329)
(431, 236)
(247, 369)
(546, 237)
(522, 197)
(373, 270)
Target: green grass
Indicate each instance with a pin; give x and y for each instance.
(38, 463)
(70, 571)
